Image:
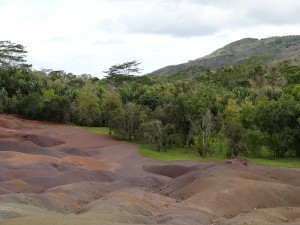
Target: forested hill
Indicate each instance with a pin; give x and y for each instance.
(250, 109)
(274, 48)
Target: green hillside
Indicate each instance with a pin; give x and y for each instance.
(249, 108)
(274, 48)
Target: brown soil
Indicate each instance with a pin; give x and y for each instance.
(57, 174)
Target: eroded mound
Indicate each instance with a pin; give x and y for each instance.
(42, 141)
(280, 215)
(12, 145)
(168, 170)
(53, 174)
(225, 190)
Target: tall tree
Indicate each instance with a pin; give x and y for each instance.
(119, 73)
(152, 132)
(125, 121)
(278, 119)
(87, 108)
(235, 133)
(12, 54)
(206, 128)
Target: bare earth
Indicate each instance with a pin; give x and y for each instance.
(57, 174)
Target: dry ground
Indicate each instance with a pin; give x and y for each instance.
(57, 174)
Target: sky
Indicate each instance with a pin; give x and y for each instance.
(89, 36)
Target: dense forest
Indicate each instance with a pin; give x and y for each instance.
(252, 108)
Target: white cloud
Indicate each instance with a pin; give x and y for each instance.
(178, 20)
(186, 18)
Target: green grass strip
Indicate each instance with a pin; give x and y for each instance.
(180, 154)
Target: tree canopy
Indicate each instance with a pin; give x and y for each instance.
(122, 72)
(251, 109)
(12, 54)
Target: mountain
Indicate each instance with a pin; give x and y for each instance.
(275, 48)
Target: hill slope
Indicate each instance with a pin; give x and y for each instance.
(276, 48)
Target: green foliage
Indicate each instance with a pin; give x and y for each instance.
(110, 102)
(278, 119)
(251, 108)
(3, 101)
(235, 133)
(119, 73)
(12, 54)
(152, 132)
(151, 100)
(276, 162)
(176, 154)
(254, 142)
(97, 130)
(155, 133)
(126, 121)
(247, 52)
(31, 106)
(179, 154)
(86, 108)
(206, 128)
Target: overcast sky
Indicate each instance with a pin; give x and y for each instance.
(89, 36)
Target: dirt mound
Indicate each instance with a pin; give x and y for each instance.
(184, 217)
(13, 210)
(24, 147)
(238, 161)
(218, 191)
(86, 163)
(8, 122)
(68, 198)
(41, 184)
(85, 152)
(168, 170)
(283, 215)
(55, 174)
(4, 131)
(150, 182)
(16, 123)
(16, 174)
(132, 201)
(42, 141)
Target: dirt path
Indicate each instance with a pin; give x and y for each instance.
(59, 174)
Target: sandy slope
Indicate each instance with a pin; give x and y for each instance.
(59, 174)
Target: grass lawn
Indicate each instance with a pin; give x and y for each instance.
(284, 162)
(179, 154)
(175, 154)
(98, 130)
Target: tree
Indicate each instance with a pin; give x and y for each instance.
(128, 92)
(125, 121)
(254, 142)
(169, 135)
(206, 128)
(152, 133)
(150, 99)
(110, 102)
(3, 100)
(188, 109)
(56, 107)
(86, 110)
(31, 106)
(119, 73)
(235, 132)
(12, 55)
(278, 119)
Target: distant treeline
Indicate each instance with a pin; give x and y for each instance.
(250, 109)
